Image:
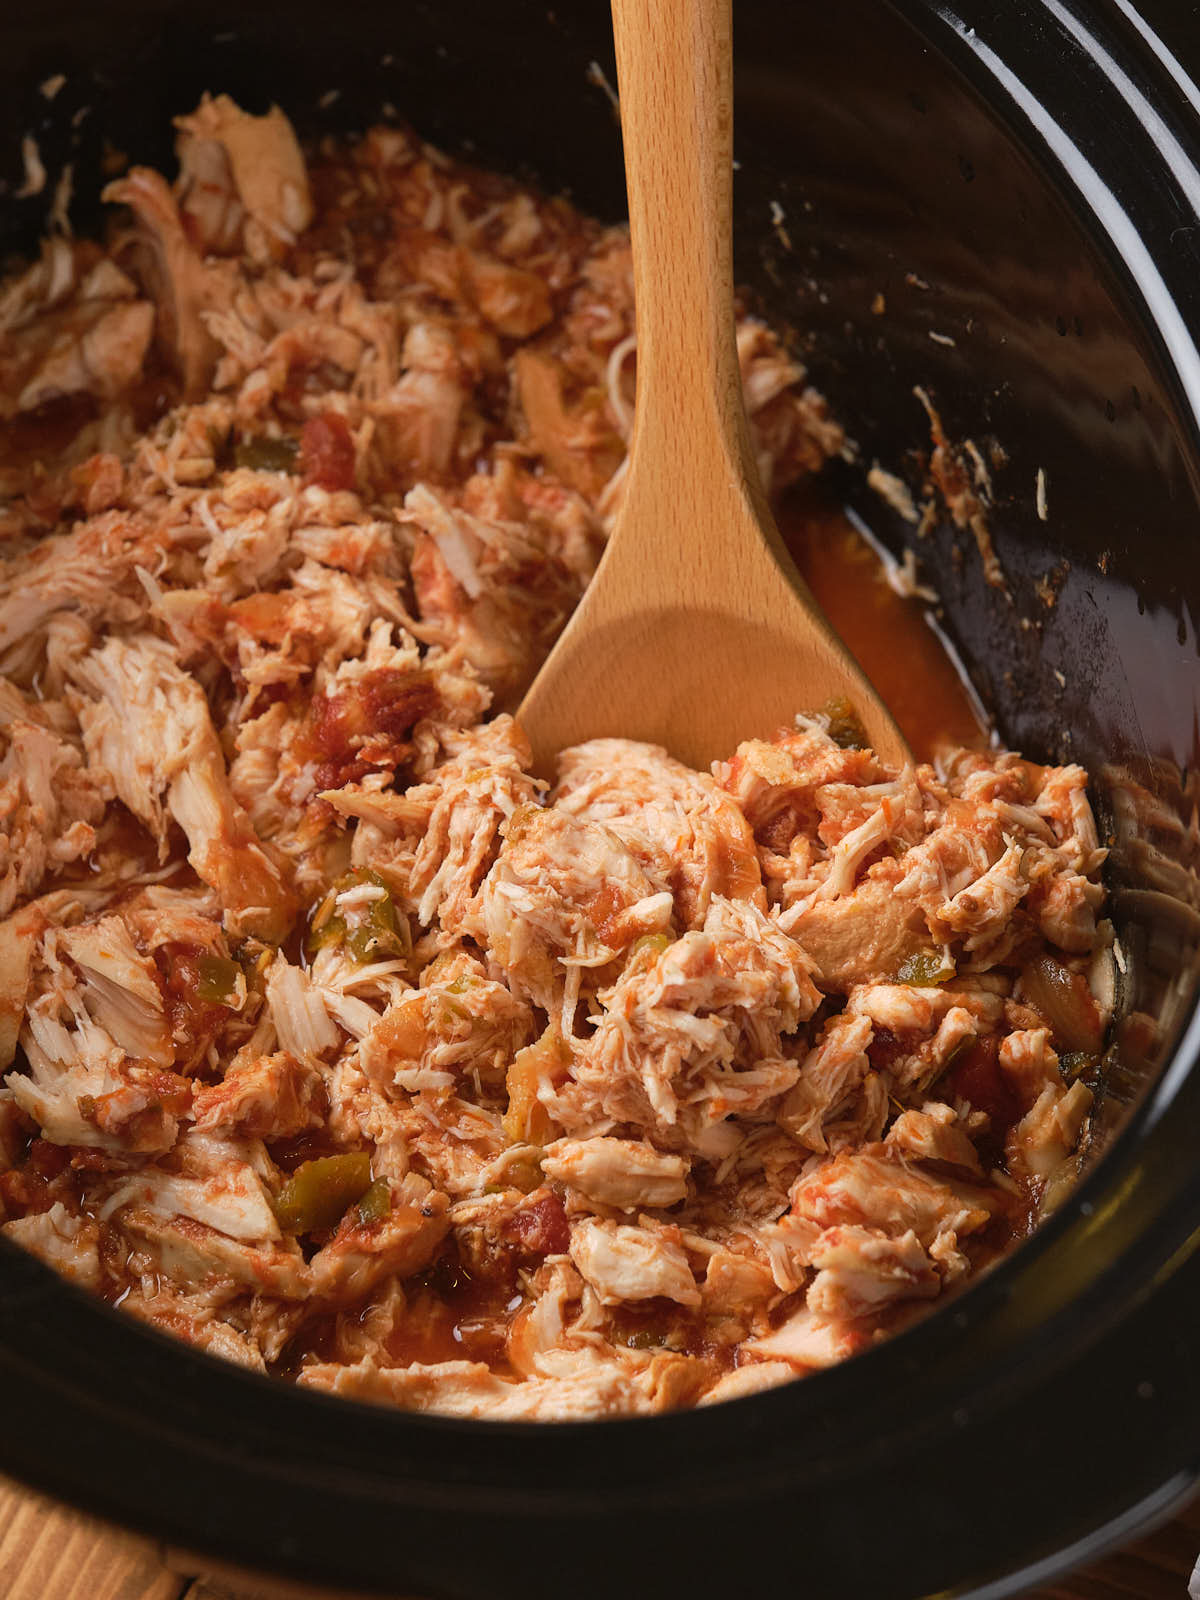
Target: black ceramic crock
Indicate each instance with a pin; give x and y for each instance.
(1020, 183)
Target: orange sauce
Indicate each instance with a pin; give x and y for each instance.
(889, 634)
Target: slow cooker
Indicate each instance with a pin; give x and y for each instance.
(999, 205)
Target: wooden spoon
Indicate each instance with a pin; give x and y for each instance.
(697, 631)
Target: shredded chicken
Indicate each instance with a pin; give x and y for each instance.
(335, 1041)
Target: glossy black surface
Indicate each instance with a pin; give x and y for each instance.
(1032, 167)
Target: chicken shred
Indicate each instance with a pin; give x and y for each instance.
(334, 1040)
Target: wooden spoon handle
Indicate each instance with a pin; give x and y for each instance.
(676, 87)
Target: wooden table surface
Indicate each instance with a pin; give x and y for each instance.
(50, 1553)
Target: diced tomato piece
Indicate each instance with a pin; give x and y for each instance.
(541, 1229)
(977, 1076)
(327, 452)
(47, 1159)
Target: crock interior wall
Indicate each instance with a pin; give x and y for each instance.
(892, 179)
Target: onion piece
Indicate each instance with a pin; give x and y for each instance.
(1066, 1002)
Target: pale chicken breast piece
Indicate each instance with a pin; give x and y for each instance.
(829, 1075)
(776, 783)
(500, 588)
(469, 1389)
(119, 987)
(88, 571)
(275, 1096)
(69, 329)
(878, 1188)
(195, 1318)
(437, 840)
(233, 1200)
(50, 803)
(68, 1243)
(1030, 1063)
(186, 1251)
(453, 1029)
(83, 1086)
(243, 179)
(867, 933)
(692, 1034)
(737, 1289)
(183, 285)
(400, 1242)
(159, 916)
(860, 1270)
(147, 722)
(618, 1172)
(978, 913)
(753, 1378)
(934, 1134)
(93, 1103)
(298, 1011)
(1049, 1131)
(676, 821)
(563, 900)
(623, 1263)
(809, 1342)
(19, 937)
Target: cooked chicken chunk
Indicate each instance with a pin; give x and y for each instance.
(436, 841)
(877, 1188)
(50, 803)
(692, 1034)
(68, 329)
(275, 1096)
(398, 1243)
(675, 821)
(146, 722)
(502, 587)
(618, 1172)
(183, 286)
(860, 1270)
(563, 900)
(68, 1243)
(627, 1263)
(243, 181)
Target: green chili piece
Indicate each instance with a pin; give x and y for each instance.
(658, 942)
(220, 982)
(376, 1203)
(266, 455)
(374, 932)
(925, 967)
(450, 1000)
(525, 1174)
(331, 931)
(381, 934)
(845, 725)
(319, 1192)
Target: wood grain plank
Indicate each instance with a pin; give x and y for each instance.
(1154, 1568)
(50, 1553)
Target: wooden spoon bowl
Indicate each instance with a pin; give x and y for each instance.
(697, 631)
